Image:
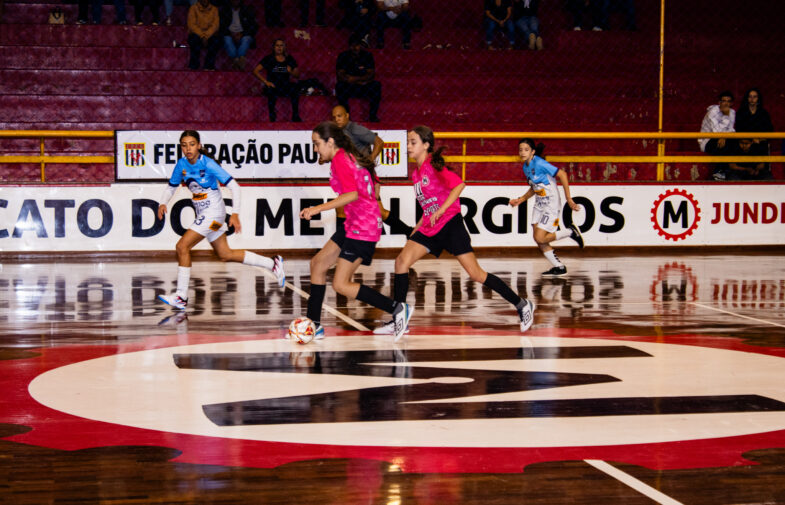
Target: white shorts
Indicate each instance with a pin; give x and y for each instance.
(210, 225)
(545, 215)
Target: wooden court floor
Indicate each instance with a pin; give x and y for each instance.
(645, 379)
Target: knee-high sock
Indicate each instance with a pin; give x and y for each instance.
(257, 260)
(503, 289)
(551, 256)
(373, 297)
(183, 279)
(315, 302)
(401, 287)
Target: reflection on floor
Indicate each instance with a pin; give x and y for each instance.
(644, 379)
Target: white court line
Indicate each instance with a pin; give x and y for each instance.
(329, 309)
(631, 481)
(738, 315)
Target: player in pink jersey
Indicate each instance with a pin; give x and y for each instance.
(441, 226)
(353, 177)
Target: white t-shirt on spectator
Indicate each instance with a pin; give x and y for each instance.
(393, 3)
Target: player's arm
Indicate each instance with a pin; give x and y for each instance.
(514, 202)
(234, 219)
(565, 182)
(378, 144)
(455, 193)
(342, 200)
(165, 197)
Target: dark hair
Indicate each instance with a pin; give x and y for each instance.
(745, 101)
(355, 39)
(328, 130)
(285, 52)
(724, 94)
(426, 135)
(537, 148)
(195, 134)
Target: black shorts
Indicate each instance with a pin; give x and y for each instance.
(351, 249)
(453, 238)
(340, 231)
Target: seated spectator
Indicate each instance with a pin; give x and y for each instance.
(155, 8)
(169, 8)
(238, 29)
(280, 68)
(355, 71)
(305, 7)
(203, 24)
(524, 15)
(752, 117)
(358, 17)
(393, 13)
(747, 171)
(718, 118)
(96, 8)
(599, 13)
(498, 16)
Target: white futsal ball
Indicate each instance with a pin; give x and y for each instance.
(302, 330)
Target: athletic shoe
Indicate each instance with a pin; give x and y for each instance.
(174, 300)
(278, 271)
(401, 315)
(174, 319)
(555, 272)
(319, 335)
(576, 235)
(526, 314)
(387, 328)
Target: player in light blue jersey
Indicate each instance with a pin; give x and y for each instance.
(542, 177)
(202, 175)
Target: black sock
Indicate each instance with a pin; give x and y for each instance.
(401, 287)
(376, 299)
(503, 289)
(398, 227)
(315, 302)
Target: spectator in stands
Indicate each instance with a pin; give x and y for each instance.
(238, 29)
(355, 71)
(393, 13)
(96, 8)
(155, 8)
(524, 15)
(305, 7)
(203, 24)
(752, 117)
(753, 170)
(367, 143)
(498, 16)
(358, 17)
(280, 68)
(599, 13)
(718, 118)
(169, 8)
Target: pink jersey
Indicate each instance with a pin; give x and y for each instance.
(363, 217)
(432, 189)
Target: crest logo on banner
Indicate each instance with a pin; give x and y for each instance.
(391, 153)
(134, 155)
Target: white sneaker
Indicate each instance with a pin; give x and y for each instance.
(174, 300)
(401, 315)
(526, 314)
(387, 328)
(278, 270)
(319, 335)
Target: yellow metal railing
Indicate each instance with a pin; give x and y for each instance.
(464, 158)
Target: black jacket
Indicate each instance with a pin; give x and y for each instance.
(247, 19)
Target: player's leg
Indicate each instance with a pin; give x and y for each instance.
(179, 299)
(320, 263)
(226, 253)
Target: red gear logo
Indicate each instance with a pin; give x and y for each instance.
(654, 212)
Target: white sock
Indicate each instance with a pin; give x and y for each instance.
(183, 279)
(551, 256)
(256, 260)
(563, 233)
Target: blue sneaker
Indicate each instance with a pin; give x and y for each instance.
(278, 271)
(174, 300)
(319, 335)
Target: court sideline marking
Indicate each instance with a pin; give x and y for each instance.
(737, 315)
(632, 482)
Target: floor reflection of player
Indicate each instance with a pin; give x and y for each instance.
(352, 176)
(542, 176)
(201, 174)
(441, 226)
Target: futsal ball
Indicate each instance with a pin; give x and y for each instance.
(302, 330)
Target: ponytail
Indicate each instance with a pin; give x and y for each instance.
(426, 135)
(328, 130)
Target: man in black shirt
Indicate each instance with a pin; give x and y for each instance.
(355, 71)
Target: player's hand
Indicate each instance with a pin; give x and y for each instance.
(514, 202)
(436, 216)
(161, 211)
(574, 206)
(234, 220)
(308, 212)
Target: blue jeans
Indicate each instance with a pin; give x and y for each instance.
(234, 49)
(527, 25)
(491, 26)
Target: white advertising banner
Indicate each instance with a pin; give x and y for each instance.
(151, 155)
(121, 217)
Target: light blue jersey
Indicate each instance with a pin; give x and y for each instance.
(206, 173)
(541, 176)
